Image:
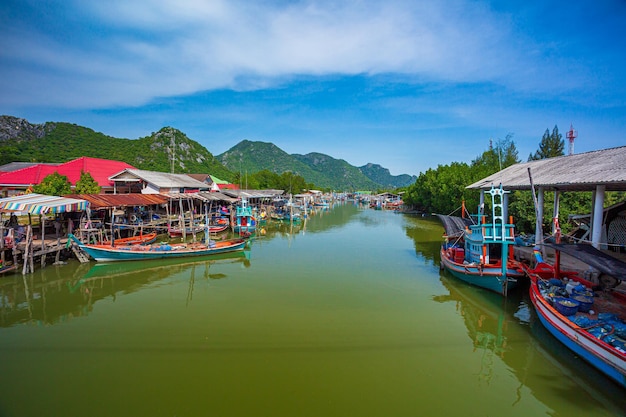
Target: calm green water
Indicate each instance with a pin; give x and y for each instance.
(348, 315)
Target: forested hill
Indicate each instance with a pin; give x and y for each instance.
(348, 176)
(21, 141)
(381, 175)
(319, 169)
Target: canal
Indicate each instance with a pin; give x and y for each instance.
(347, 314)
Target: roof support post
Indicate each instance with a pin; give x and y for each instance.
(481, 206)
(598, 214)
(538, 226)
(555, 213)
(505, 208)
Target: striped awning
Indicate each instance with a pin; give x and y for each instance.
(42, 204)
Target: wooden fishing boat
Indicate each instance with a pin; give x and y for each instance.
(108, 253)
(278, 215)
(588, 319)
(244, 219)
(4, 268)
(174, 232)
(142, 239)
(177, 232)
(217, 228)
(481, 253)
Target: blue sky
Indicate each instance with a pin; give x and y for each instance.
(408, 85)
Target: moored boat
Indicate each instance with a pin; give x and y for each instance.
(8, 267)
(244, 219)
(141, 239)
(588, 319)
(217, 228)
(481, 253)
(179, 232)
(108, 253)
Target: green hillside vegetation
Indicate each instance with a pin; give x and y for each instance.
(382, 176)
(263, 180)
(343, 175)
(57, 142)
(249, 157)
(62, 142)
(441, 190)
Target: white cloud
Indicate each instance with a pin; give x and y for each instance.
(138, 50)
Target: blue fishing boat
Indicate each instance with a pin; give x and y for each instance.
(244, 219)
(589, 319)
(481, 253)
(108, 253)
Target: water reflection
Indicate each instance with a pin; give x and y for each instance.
(485, 319)
(426, 233)
(58, 294)
(506, 332)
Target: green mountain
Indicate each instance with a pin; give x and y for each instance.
(382, 176)
(250, 157)
(339, 174)
(21, 141)
(319, 169)
(61, 142)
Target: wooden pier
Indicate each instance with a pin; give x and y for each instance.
(24, 251)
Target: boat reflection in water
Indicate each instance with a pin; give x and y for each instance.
(48, 297)
(485, 319)
(506, 332)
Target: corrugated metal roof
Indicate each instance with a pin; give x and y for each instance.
(100, 201)
(99, 169)
(14, 166)
(160, 179)
(252, 193)
(217, 196)
(579, 172)
(204, 196)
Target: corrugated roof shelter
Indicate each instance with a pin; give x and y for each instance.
(101, 201)
(217, 196)
(99, 169)
(154, 182)
(579, 172)
(252, 193)
(43, 204)
(599, 171)
(14, 166)
(215, 183)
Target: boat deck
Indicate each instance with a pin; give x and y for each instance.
(568, 262)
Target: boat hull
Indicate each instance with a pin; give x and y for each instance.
(135, 240)
(596, 352)
(103, 253)
(240, 229)
(218, 229)
(7, 268)
(488, 277)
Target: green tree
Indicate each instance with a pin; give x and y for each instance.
(551, 145)
(54, 184)
(266, 179)
(443, 189)
(440, 190)
(86, 184)
(496, 158)
(291, 183)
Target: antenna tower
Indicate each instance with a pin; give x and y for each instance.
(571, 135)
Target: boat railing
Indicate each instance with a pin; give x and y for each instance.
(495, 232)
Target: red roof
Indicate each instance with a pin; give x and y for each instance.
(100, 170)
(228, 186)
